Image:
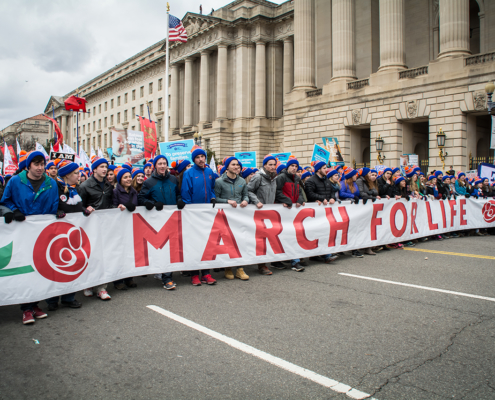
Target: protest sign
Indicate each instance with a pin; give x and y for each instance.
(282, 157)
(62, 156)
(331, 144)
(44, 257)
(471, 174)
(39, 147)
(128, 146)
(246, 158)
(178, 150)
(320, 154)
(487, 171)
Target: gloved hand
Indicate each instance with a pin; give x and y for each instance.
(60, 214)
(339, 201)
(467, 195)
(408, 198)
(18, 216)
(86, 213)
(443, 197)
(364, 201)
(373, 199)
(356, 199)
(180, 204)
(159, 205)
(130, 207)
(8, 217)
(213, 201)
(149, 205)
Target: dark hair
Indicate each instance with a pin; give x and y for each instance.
(371, 184)
(38, 159)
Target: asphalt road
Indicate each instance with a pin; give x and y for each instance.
(386, 340)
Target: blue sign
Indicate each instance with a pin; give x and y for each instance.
(178, 150)
(246, 158)
(320, 154)
(282, 157)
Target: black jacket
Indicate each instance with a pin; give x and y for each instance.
(385, 189)
(93, 195)
(66, 203)
(364, 191)
(402, 192)
(319, 189)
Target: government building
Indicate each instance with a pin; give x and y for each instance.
(264, 77)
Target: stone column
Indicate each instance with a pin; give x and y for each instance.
(392, 35)
(304, 44)
(174, 97)
(343, 40)
(260, 81)
(222, 82)
(454, 28)
(288, 65)
(204, 92)
(188, 92)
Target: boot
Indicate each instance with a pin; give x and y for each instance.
(228, 273)
(369, 252)
(240, 274)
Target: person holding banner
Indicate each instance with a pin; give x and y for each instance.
(486, 188)
(349, 189)
(137, 179)
(385, 184)
(461, 185)
(31, 192)
(198, 187)
(368, 188)
(96, 194)
(159, 190)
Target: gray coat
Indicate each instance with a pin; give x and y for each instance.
(262, 189)
(225, 190)
(364, 191)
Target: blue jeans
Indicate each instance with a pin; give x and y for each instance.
(203, 272)
(328, 256)
(66, 298)
(167, 278)
(28, 306)
(295, 261)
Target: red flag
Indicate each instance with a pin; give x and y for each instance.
(75, 103)
(13, 155)
(60, 137)
(149, 129)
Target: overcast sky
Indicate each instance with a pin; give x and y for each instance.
(49, 47)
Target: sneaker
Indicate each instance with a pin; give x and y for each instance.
(356, 253)
(104, 295)
(400, 246)
(72, 304)
(39, 313)
(391, 246)
(439, 237)
(278, 265)
(297, 267)
(409, 244)
(377, 249)
(423, 239)
(330, 258)
(208, 280)
(263, 270)
(170, 285)
(28, 317)
(369, 252)
(88, 292)
(454, 235)
(304, 262)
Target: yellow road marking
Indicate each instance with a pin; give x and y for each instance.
(451, 254)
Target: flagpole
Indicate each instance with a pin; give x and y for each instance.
(54, 133)
(167, 24)
(77, 125)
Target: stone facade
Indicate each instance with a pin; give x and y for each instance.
(259, 76)
(27, 132)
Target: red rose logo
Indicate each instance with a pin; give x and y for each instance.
(489, 211)
(61, 252)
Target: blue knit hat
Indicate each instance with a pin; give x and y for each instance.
(350, 174)
(155, 160)
(228, 160)
(460, 174)
(387, 170)
(292, 161)
(196, 152)
(332, 172)
(445, 177)
(319, 165)
(98, 161)
(49, 165)
(66, 167)
(396, 169)
(364, 171)
(268, 158)
(438, 173)
(399, 179)
(305, 175)
(121, 173)
(299, 169)
(255, 170)
(31, 157)
(147, 165)
(280, 168)
(112, 167)
(222, 170)
(477, 181)
(374, 171)
(136, 171)
(180, 165)
(247, 172)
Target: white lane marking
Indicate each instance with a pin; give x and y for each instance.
(303, 372)
(474, 296)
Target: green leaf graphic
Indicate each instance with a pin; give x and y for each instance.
(16, 271)
(5, 257)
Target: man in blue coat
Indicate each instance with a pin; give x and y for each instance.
(198, 184)
(161, 189)
(31, 192)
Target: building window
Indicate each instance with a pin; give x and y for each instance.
(134, 94)
(133, 113)
(111, 103)
(125, 98)
(111, 120)
(106, 106)
(89, 128)
(99, 141)
(118, 101)
(125, 115)
(84, 129)
(99, 124)
(141, 91)
(94, 125)
(150, 90)
(105, 144)
(133, 127)
(207, 143)
(160, 84)
(94, 110)
(105, 122)
(89, 113)
(94, 142)
(74, 118)
(99, 108)
(160, 104)
(141, 110)
(150, 105)
(84, 144)
(118, 118)
(74, 131)
(160, 126)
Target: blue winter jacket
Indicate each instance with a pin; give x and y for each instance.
(460, 189)
(162, 188)
(198, 185)
(345, 192)
(19, 195)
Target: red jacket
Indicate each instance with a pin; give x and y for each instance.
(288, 190)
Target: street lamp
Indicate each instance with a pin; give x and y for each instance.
(441, 144)
(379, 148)
(197, 138)
(489, 89)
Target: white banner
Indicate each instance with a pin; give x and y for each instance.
(43, 257)
(39, 147)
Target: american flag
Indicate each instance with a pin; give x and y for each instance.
(177, 32)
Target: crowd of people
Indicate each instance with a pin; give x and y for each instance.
(61, 187)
